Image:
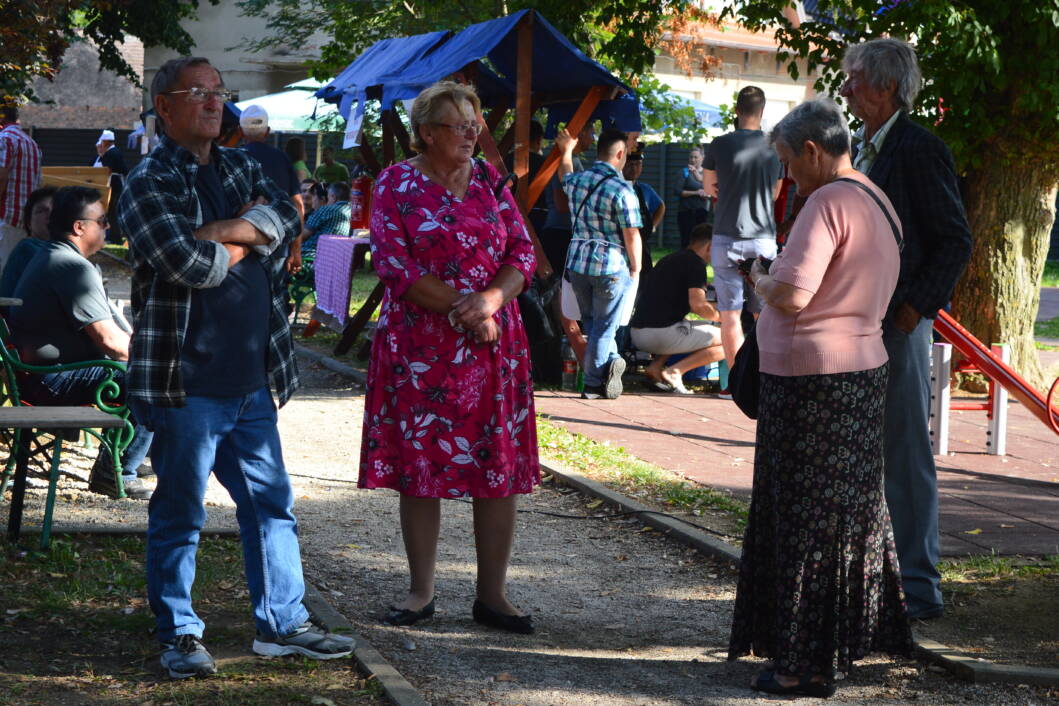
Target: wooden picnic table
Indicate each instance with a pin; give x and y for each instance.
(51, 420)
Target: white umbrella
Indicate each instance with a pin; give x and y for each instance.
(293, 110)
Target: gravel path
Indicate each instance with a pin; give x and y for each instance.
(624, 616)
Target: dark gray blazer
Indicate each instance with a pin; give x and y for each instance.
(915, 169)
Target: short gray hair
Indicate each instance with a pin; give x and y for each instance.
(820, 121)
(885, 61)
(168, 74)
(428, 106)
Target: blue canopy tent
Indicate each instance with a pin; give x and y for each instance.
(495, 56)
(518, 62)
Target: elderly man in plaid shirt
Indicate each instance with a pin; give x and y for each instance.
(19, 175)
(603, 261)
(206, 229)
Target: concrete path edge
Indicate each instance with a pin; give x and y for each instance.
(969, 668)
(370, 661)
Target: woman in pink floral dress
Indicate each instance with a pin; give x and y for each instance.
(449, 405)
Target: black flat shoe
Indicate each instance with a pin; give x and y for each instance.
(522, 624)
(404, 616)
(766, 681)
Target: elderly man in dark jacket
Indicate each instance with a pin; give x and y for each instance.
(916, 171)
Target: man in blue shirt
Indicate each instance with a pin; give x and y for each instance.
(603, 261)
(652, 208)
(205, 226)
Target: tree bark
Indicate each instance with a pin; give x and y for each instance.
(1010, 212)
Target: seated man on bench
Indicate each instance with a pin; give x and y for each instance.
(675, 287)
(65, 317)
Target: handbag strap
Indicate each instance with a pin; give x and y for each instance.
(878, 201)
(581, 206)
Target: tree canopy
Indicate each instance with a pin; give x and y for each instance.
(36, 33)
(623, 35)
(991, 69)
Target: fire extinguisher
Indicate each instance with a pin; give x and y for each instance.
(360, 201)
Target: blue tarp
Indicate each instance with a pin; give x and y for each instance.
(623, 113)
(383, 57)
(403, 67)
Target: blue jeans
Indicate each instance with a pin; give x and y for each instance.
(76, 387)
(601, 300)
(911, 477)
(237, 438)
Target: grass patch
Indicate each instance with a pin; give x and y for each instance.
(118, 251)
(994, 567)
(639, 479)
(1050, 276)
(76, 629)
(1047, 329)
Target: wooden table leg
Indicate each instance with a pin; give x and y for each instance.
(360, 320)
(18, 492)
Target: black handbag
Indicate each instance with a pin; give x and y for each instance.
(744, 379)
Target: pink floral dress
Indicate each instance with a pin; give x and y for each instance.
(446, 416)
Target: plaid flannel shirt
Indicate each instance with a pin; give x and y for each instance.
(159, 210)
(332, 219)
(21, 155)
(598, 245)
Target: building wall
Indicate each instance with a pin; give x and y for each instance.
(217, 32)
(746, 59)
(84, 97)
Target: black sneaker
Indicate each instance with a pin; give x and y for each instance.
(102, 479)
(307, 640)
(612, 384)
(104, 483)
(592, 393)
(185, 656)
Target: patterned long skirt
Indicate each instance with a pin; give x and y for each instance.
(819, 583)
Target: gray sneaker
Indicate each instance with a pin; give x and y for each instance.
(307, 640)
(612, 384)
(185, 656)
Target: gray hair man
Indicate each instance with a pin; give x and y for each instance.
(916, 171)
(205, 228)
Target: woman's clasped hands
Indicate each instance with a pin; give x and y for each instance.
(474, 312)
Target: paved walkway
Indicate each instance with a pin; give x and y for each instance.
(1007, 504)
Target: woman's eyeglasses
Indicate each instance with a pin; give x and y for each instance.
(197, 94)
(465, 130)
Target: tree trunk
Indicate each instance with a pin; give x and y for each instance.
(1010, 211)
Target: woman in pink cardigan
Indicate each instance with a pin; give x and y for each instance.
(819, 583)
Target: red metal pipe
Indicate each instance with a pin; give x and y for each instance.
(962, 340)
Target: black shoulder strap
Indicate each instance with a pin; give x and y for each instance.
(479, 165)
(591, 191)
(878, 201)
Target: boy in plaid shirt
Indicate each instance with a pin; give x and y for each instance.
(603, 261)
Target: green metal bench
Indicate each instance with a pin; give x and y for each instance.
(303, 283)
(44, 448)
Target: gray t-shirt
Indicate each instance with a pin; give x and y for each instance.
(747, 170)
(61, 293)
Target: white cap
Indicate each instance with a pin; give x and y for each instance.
(253, 116)
(106, 135)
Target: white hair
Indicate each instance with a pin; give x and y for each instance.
(885, 61)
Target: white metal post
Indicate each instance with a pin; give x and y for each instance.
(940, 371)
(997, 434)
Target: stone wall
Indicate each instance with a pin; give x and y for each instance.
(82, 96)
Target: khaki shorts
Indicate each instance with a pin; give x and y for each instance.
(682, 337)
